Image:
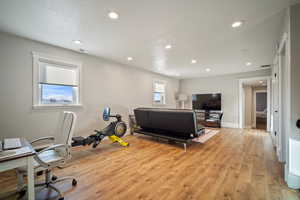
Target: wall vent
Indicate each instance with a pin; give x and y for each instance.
(265, 66)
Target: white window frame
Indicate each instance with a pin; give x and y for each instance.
(165, 93)
(39, 58)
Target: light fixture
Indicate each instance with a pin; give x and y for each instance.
(248, 64)
(182, 98)
(207, 69)
(168, 46)
(77, 41)
(260, 82)
(237, 24)
(193, 61)
(113, 15)
(129, 58)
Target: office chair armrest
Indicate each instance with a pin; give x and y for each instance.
(55, 146)
(43, 138)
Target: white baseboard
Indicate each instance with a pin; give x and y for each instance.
(229, 125)
(293, 181)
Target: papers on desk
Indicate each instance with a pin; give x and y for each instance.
(11, 143)
(15, 152)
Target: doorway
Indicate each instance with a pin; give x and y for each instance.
(254, 103)
(260, 109)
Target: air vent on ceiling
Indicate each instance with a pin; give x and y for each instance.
(83, 50)
(265, 66)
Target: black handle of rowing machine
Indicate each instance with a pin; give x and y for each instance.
(119, 117)
(97, 131)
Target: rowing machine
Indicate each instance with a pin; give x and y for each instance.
(114, 131)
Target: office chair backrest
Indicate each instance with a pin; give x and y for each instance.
(66, 129)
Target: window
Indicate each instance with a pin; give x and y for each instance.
(55, 82)
(159, 92)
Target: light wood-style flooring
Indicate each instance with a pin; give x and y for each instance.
(235, 164)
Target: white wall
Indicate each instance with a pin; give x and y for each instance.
(105, 83)
(228, 85)
(295, 69)
(293, 137)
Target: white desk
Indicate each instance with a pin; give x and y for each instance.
(16, 160)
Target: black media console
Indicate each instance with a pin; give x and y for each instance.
(209, 118)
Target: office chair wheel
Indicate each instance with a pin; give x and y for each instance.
(22, 193)
(39, 173)
(54, 178)
(74, 182)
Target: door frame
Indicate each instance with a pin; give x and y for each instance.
(284, 131)
(242, 100)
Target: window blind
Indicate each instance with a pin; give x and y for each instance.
(57, 75)
(159, 87)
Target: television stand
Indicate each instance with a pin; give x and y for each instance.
(209, 118)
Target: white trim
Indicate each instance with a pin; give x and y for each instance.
(276, 110)
(241, 104)
(292, 180)
(56, 106)
(269, 103)
(37, 58)
(284, 134)
(283, 42)
(284, 45)
(241, 121)
(54, 59)
(165, 93)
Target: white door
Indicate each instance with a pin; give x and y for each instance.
(275, 109)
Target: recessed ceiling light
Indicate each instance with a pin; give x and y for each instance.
(168, 46)
(113, 15)
(129, 58)
(193, 61)
(77, 41)
(260, 82)
(207, 69)
(237, 24)
(248, 63)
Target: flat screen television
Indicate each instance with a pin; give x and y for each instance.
(206, 101)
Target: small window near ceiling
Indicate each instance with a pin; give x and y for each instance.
(56, 82)
(159, 92)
